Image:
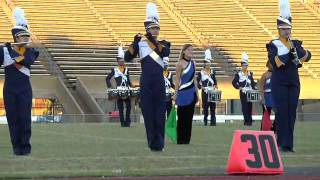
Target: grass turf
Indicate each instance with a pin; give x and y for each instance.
(105, 149)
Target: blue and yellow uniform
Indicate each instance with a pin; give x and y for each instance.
(17, 90)
(206, 79)
(285, 87)
(153, 54)
(244, 80)
(17, 95)
(122, 78)
(286, 56)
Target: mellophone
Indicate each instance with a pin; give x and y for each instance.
(214, 95)
(123, 93)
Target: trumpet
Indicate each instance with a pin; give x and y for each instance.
(293, 50)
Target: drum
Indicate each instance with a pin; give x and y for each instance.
(214, 95)
(123, 93)
(134, 92)
(169, 94)
(112, 93)
(253, 96)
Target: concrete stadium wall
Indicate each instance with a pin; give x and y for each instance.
(92, 88)
(89, 100)
(52, 87)
(97, 88)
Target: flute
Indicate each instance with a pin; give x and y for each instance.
(18, 43)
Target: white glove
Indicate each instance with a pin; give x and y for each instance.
(166, 60)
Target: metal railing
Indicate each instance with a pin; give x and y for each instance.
(138, 118)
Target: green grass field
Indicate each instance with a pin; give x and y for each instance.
(105, 149)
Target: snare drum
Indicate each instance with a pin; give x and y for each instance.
(123, 93)
(253, 96)
(214, 95)
(134, 92)
(112, 93)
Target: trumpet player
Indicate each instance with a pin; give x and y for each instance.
(154, 55)
(17, 60)
(207, 79)
(286, 56)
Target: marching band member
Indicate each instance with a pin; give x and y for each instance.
(243, 80)
(286, 56)
(168, 80)
(207, 80)
(154, 55)
(122, 78)
(17, 90)
(265, 91)
(186, 93)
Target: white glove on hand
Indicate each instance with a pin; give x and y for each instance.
(166, 60)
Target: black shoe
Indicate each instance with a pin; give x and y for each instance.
(25, 154)
(17, 153)
(22, 153)
(290, 150)
(156, 149)
(183, 142)
(247, 123)
(213, 124)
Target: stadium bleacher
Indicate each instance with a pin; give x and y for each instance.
(246, 25)
(83, 37)
(5, 36)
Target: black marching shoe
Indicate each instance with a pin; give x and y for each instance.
(284, 149)
(21, 153)
(156, 149)
(247, 123)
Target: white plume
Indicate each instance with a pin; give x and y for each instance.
(152, 12)
(18, 15)
(207, 55)
(120, 52)
(245, 57)
(284, 6)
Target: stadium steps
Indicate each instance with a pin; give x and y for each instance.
(38, 69)
(305, 26)
(231, 30)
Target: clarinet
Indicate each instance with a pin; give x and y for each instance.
(293, 50)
